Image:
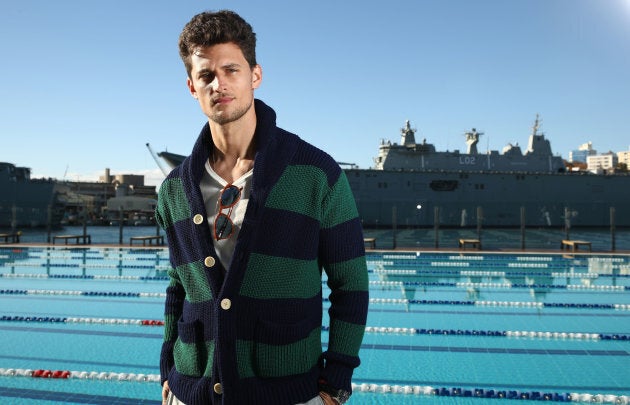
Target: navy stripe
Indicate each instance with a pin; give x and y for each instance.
(337, 246)
(312, 156)
(284, 225)
(186, 233)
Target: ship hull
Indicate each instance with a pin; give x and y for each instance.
(26, 204)
(490, 199)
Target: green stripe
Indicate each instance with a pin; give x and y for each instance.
(172, 203)
(270, 277)
(170, 327)
(300, 189)
(340, 206)
(350, 275)
(345, 337)
(194, 359)
(265, 360)
(193, 278)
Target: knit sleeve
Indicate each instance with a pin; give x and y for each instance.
(343, 256)
(172, 312)
(175, 293)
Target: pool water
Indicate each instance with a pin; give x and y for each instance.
(443, 328)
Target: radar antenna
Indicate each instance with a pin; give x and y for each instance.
(472, 138)
(408, 135)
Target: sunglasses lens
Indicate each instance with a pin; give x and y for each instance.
(229, 196)
(222, 226)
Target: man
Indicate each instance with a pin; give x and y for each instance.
(252, 216)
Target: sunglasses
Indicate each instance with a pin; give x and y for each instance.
(223, 225)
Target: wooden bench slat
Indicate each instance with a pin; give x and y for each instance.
(371, 242)
(14, 237)
(575, 244)
(159, 239)
(474, 243)
(86, 239)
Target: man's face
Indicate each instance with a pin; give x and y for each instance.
(223, 82)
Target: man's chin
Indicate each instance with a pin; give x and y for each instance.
(225, 117)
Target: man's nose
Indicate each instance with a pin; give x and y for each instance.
(214, 84)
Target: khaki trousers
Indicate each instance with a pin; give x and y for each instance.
(172, 400)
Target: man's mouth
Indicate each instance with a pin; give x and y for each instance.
(222, 100)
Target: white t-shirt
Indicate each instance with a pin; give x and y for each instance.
(211, 185)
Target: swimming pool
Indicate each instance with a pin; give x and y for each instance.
(83, 325)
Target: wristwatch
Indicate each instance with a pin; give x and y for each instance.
(338, 395)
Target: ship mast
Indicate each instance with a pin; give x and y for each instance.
(407, 135)
(536, 126)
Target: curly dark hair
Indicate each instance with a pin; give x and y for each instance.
(211, 28)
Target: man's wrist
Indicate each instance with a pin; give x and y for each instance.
(339, 396)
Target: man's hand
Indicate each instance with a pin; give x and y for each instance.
(165, 391)
(327, 398)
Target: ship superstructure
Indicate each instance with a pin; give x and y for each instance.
(25, 202)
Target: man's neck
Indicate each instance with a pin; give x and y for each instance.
(234, 148)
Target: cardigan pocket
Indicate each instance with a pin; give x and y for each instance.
(193, 356)
(286, 349)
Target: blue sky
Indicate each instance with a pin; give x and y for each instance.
(84, 85)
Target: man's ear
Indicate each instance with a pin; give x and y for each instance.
(191, 87)
(256, 76)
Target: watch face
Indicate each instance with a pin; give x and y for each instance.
(342, 396)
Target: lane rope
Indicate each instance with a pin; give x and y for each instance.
(368, 329)
(125, 294)
(84, 277)
(67, 374)
(379, 283)
(490, 393)
(395, 301)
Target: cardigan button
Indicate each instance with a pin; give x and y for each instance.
(209, 261)
(198, 219)
(226, 303)
(218, 388)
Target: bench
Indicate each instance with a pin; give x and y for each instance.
(574, 244)
(11, 237)
(159, 239)
(85, 239)
(370, 242)
(473, 243)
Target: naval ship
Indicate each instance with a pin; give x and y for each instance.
(25, 202)
(414, 185)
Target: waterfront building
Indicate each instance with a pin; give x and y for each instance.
(585, 150)
(81, 200)
(624, 158)
(606, 162)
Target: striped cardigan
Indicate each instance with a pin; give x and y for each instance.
(252, 335)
